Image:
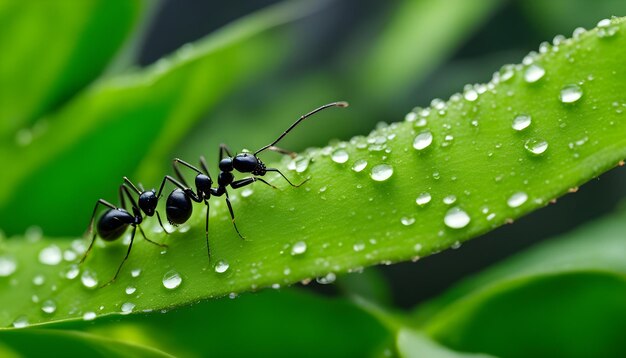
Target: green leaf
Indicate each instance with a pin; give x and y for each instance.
(346, 219)
(52, 343)
(52, 53)
(268, 324)
(563, 298)
(415, 344)
(132, 120)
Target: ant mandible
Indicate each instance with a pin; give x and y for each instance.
(178, 206)
(114, 222)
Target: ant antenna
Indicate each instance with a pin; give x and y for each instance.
(334, 104)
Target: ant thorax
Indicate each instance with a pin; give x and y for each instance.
(260, 168)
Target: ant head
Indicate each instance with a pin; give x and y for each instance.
(226, 165)
(148, 202)
(203, 183)
(245, 162)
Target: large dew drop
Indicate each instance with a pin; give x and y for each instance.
(298, 248)
(536, 146)
(570, 93)
(89, 279)
(534, 73)
(517, 199)
(423, 140)
(359, 165)
(49, 307)
(171, 280)
(50, 255)
(89, 316)
(7, 266)
(521, 122)
(423, 199)
(21, 322)
(221, 266)
(382, 172)
(128, 307)
(340, 156)
(456, 218)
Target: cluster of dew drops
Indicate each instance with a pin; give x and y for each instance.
(454, 218)
(532, 73)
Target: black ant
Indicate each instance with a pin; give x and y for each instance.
(178, 206)
(114, 222)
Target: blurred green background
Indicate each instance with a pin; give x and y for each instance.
(85, 78)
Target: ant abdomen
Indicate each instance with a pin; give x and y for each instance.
(113, 224)
(178, 207)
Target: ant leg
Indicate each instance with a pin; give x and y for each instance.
(90, 227)
(130, 246)
(283, 175)
(180, 161)
(206, 229)
(282, 151)
(224, 149)
(88, 249)
(204, 166)
(247, 181)
(161, 223)
(130, 183)
(150, 241)
(180, 186)
(232, 215)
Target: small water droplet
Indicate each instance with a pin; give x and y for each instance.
(21, 322)
(130, 290)
(359, 165)
(33, 233)
(359, 246)
(298, 248)
(340, 156)
(423, 140)
(455, 245)
(221, 266)
(534, 73)
(381, 172)
(570, 93)
(423, 199)
(517, 199)
(302, 164)
(521, 122)
(449, 200)
(135, 272)
(470, 94)
(536, 146)
(417, 247)
(49, 306)
(72, 272)
(127, 307)
(327, 279)
(407, 221)
(50, 255)
(39, 280)
(89, 279)
(89, 316)
(7, 266)
(410, 117)
(456, 218)
(246, 192)
(171, 280)
(69, 255)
